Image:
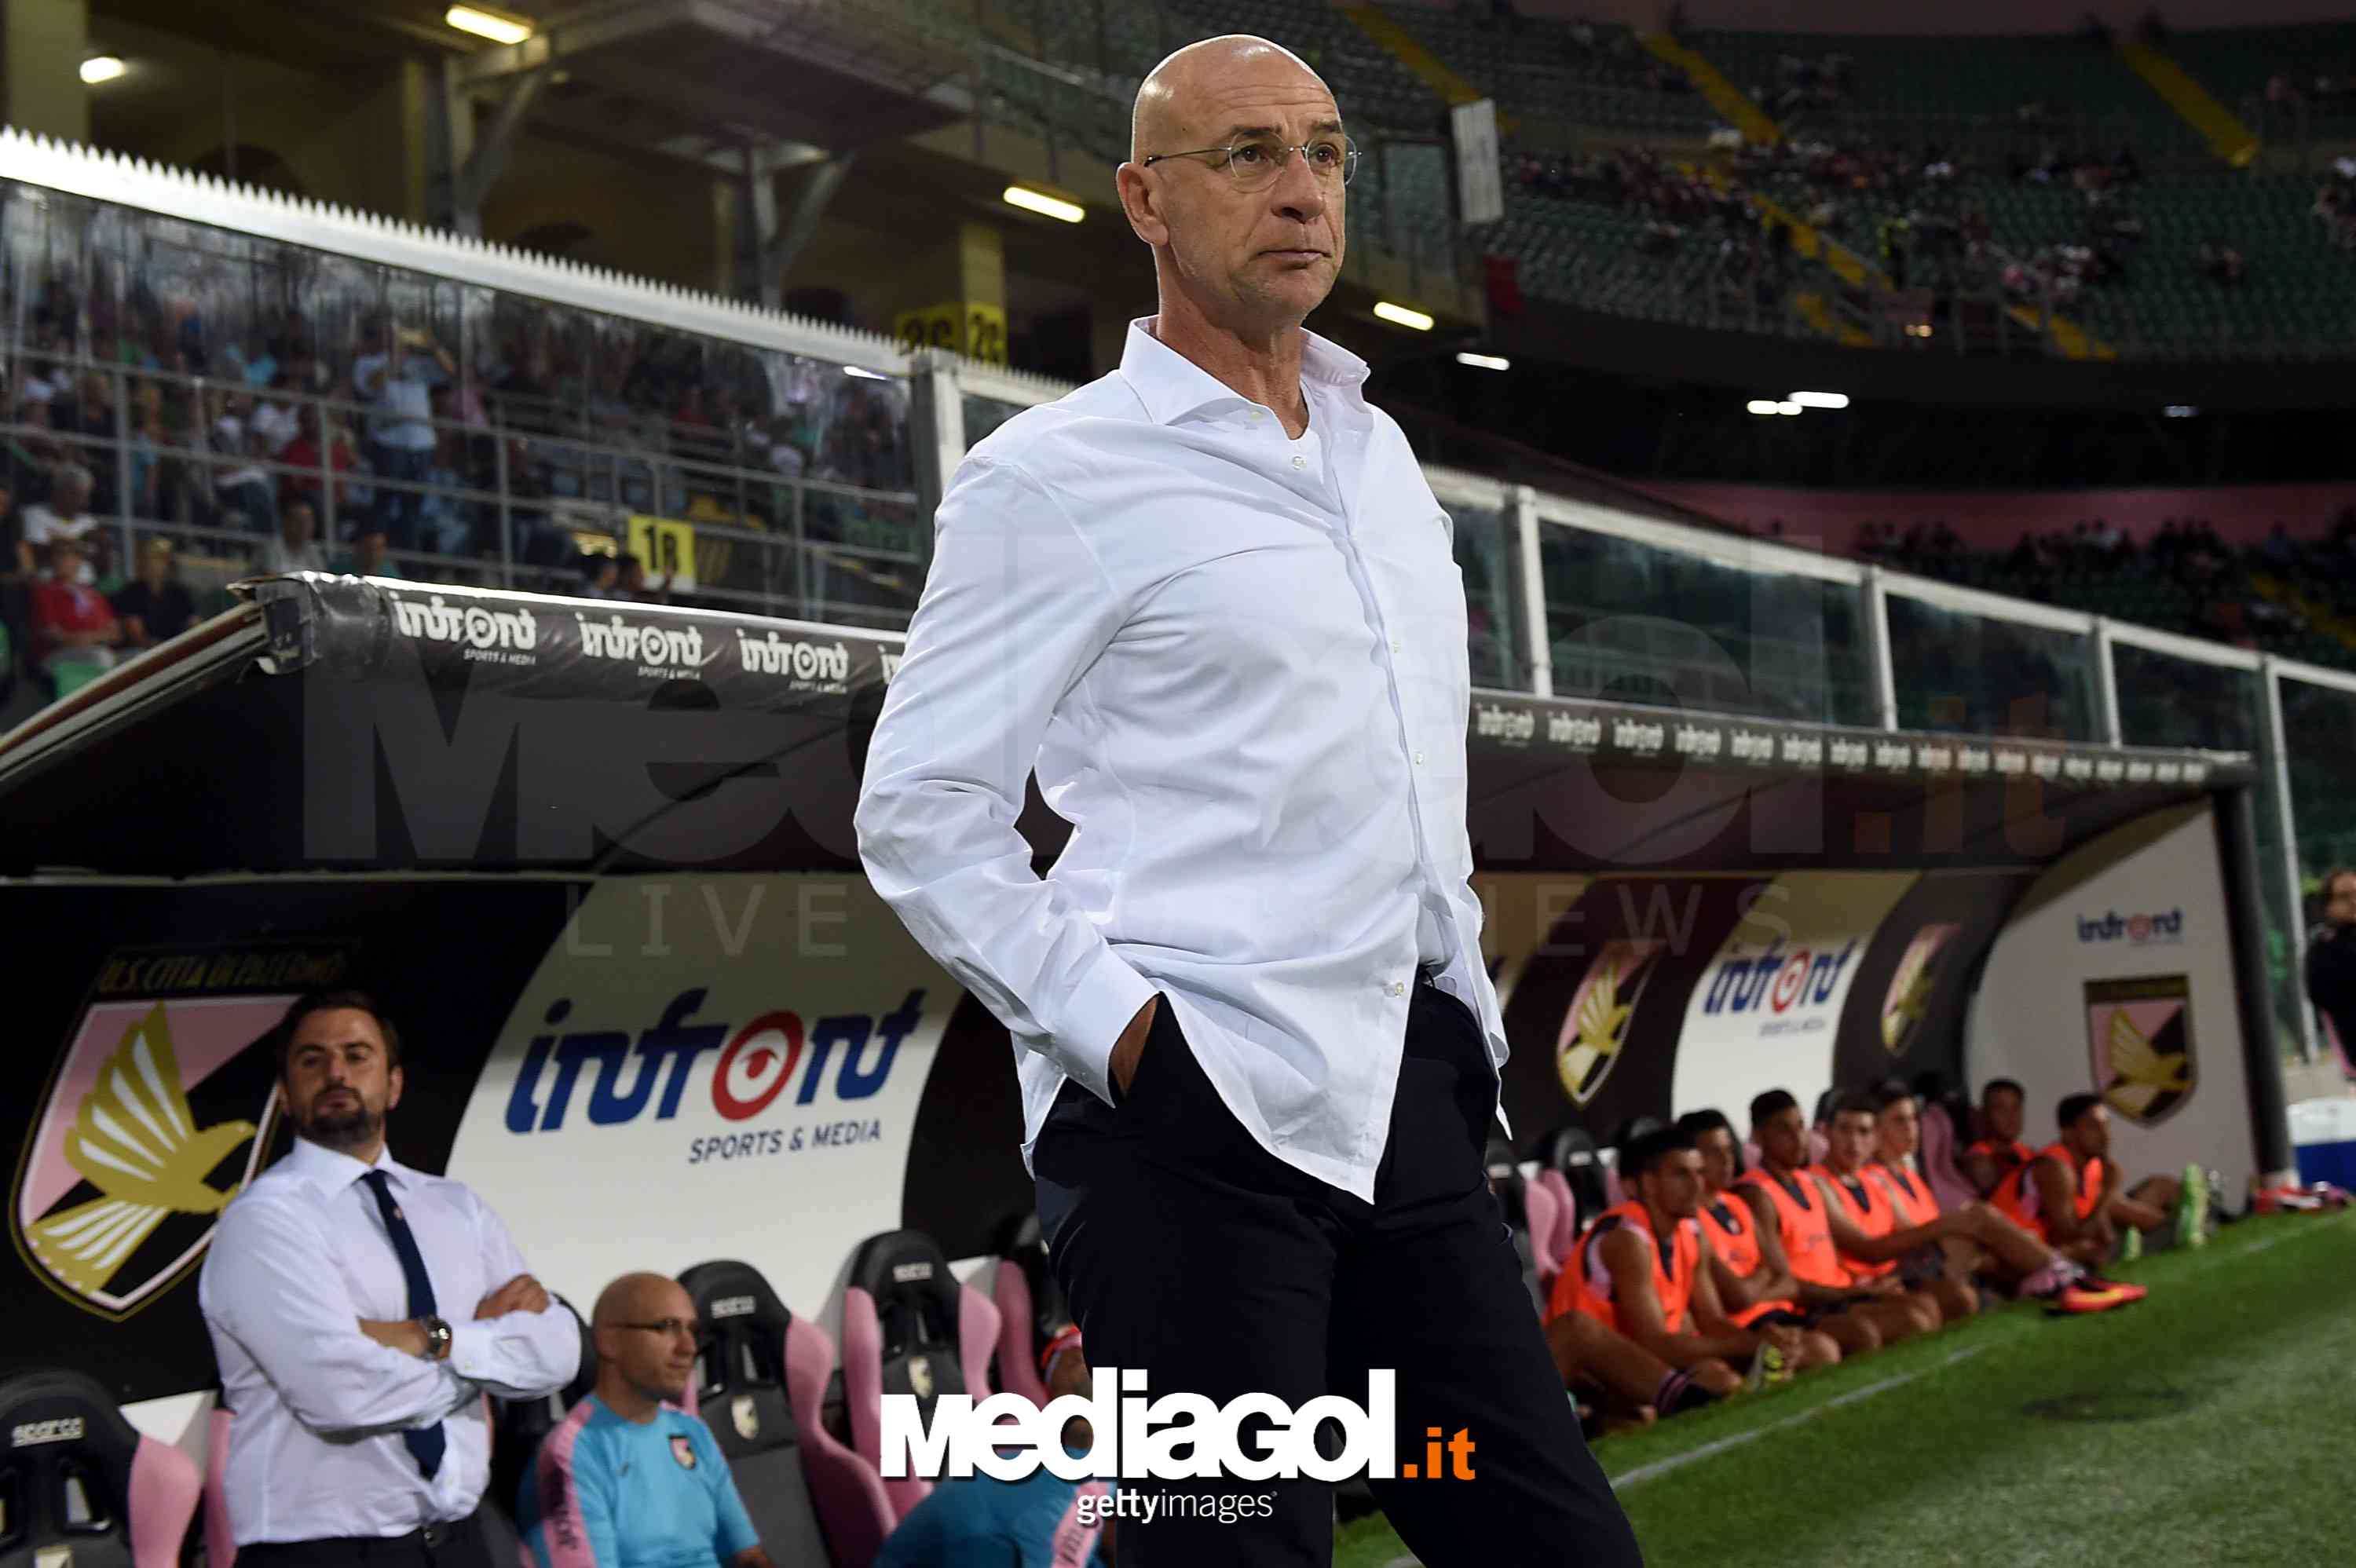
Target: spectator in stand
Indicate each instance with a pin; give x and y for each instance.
(631, 583)
(2332, 961)
(2221, 264)
(241, 483)
(628, 1479)
(367, 558)
(74, 629)
(155, 607)
(66, 515)
(1999, 1151)
(397, 376)
(302, 455)
(295, 546)
(599, 575)
(443, 523)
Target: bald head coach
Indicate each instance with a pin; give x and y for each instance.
(1210, 600)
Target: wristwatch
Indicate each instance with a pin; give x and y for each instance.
(437, 1339)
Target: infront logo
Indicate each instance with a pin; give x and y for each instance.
(1777, 980)
(734, 1306)
(2155, 929)
(756, 1063)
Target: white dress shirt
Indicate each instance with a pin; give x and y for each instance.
(298, 1259)
(1238, 663)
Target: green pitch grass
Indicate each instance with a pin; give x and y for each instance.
(2205, 1426)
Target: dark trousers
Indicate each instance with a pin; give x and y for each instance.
(1189, 1251)
(461, 1544)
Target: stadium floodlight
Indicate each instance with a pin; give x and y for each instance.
(1486, 361)
(2179, 410)
(1787, 407)
(1401, 315)
(487, 24)
(101, 68)
(865, 374)
(1046, 206)
(1763, 405)
(1820, 399)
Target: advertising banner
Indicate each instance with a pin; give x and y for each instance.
(1765, 1013)
(2115, 976)
(750, 1051)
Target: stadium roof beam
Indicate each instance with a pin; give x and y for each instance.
(775, 248)
(858, 77)
(481, 169)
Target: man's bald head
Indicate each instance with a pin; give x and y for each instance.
(1172, 99)
(645, 1332)
(641, 1298)
(1244, 245)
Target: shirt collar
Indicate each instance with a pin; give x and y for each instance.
(334, 1170)
(1172, 385)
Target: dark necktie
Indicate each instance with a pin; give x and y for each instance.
(426, 1443)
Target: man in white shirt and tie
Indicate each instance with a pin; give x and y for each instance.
(1211, 600)
(359, 1311)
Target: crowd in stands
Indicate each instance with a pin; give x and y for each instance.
(2219, 581)
(151, 395)
(2335, 203)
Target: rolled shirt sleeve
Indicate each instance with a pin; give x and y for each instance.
(1014, 611)
(521, 1354)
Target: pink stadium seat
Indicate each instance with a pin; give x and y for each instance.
(1937, 1158)
(1614, 1193)
(220, 1543)
(908, 1328)
(1018, 1364)
(1818, 1146)
(139, 1493)
(1750, 1155)
(760, 1385)
(1565, 1217)
(1543, 1211)
(851, 1499)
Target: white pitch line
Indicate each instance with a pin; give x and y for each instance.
(2287, 1233)
(1679, 1461)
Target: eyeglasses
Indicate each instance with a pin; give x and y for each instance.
(1254, 162)
(670, 1327)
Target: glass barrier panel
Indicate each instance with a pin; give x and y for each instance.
(1486, 554)
(1960, 671)
(2165, 700)
(1632, 622)
(984, 415)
